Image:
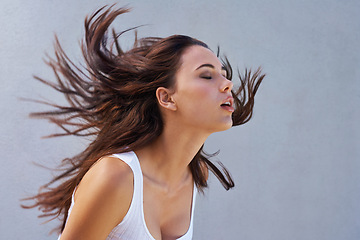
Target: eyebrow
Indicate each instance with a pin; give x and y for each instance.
(210, 66)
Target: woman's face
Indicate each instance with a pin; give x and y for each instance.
(202, 92)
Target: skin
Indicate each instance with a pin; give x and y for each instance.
(191, 111)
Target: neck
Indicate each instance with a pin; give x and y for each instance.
(165, 161)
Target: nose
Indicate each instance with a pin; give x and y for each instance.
(226, 85)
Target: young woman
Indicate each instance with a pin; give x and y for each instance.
(150, 110)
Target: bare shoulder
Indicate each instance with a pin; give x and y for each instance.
(109, 177)
(102, 200)
(109, 174)
(110, 171)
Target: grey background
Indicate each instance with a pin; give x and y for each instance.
(296, 163)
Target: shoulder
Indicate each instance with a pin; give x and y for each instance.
(109, 175)
(102, 200)
(110, 171)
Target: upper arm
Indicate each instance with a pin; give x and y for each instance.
(102, 199)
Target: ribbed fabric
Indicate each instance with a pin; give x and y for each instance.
(133, 226)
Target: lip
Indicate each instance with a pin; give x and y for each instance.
(226, 107)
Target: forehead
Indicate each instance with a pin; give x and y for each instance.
(195, 56)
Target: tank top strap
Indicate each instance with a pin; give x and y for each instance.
(132, 161)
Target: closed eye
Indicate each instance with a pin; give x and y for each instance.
(206, 77)
(224, 72)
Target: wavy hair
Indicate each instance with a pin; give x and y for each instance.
(112, 98)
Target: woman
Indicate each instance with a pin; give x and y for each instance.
(150, 110)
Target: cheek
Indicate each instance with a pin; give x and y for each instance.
(196, 100)
(200, 93)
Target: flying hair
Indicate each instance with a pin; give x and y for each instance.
(111, 99)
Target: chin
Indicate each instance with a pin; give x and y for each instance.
(228, 126)
(224, 126)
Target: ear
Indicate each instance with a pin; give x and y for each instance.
(165, 98)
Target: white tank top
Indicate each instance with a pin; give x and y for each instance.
(133, 226)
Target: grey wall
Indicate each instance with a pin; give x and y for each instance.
(296, 164)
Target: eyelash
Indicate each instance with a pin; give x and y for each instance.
(210, 77)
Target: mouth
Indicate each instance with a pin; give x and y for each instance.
(228, 105)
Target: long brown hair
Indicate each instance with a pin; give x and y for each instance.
(112, 98)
